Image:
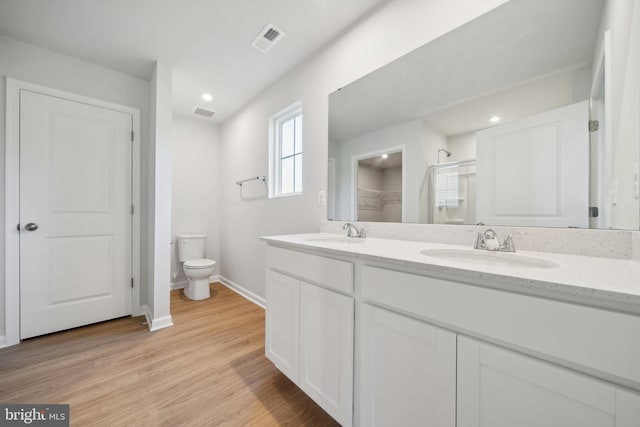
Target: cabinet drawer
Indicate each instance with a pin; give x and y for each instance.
(328, 272)
(597, 339)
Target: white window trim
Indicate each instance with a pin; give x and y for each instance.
(274, 149)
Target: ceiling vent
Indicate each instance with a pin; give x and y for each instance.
(268, 37)
(199, 111)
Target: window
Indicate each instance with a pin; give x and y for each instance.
(285, 166)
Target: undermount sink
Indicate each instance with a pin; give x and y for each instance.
(337, 239)
(487, 258)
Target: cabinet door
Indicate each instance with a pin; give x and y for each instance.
(407, 371)
(282, 322)
(326, 350)
(500, 388)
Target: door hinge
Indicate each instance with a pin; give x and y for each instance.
(594, 125)
(132, 282)
(593, 211)
(18, 227)
(132, 136)
(132, 209)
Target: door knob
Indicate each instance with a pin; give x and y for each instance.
(32, 226)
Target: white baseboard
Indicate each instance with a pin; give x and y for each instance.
(161, 323)
(140, 310)
(183, 283)
(258, 300)
(155, 324)
(147, 314)
(178, 285)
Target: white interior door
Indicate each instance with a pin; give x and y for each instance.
(75, 214)
(601, 139)
(535, 171)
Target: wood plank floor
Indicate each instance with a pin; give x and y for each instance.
(207, 370)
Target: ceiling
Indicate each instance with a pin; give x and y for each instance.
(207, 42)
(393, 160)
(544, 94)
(513, 46)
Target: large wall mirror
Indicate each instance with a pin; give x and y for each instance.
(527, 116)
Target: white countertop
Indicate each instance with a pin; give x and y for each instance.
(610, 283)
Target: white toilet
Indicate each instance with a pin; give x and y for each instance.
(197, 268)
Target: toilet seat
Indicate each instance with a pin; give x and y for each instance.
(199, 263)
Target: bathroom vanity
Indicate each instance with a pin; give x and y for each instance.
(386, 332)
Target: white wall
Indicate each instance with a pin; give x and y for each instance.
(432, 140)
(396, 28)
(581, 83)
(369, 178)
(385, 209)
(27, 62)
(159, 219)
(462, 147)
(407, 134)
(195, 186)
(392, 181)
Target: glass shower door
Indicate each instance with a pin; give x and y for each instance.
(453, 193)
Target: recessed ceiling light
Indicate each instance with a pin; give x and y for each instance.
(385, 156)
(495, 119)
(207, 97)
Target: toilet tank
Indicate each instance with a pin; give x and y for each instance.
(190, 246)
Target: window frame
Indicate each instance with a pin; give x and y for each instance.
(275, 151)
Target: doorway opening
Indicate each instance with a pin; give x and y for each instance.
(379, 184)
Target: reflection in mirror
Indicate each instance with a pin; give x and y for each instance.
(526, 116)
(453, 199)
(379, 187)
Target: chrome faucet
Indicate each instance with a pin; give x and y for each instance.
(489, 242)
(352, 230)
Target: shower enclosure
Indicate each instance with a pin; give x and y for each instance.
(452, 193)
